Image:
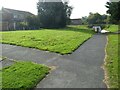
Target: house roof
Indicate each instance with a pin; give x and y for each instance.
(14, 15)
(16, 11)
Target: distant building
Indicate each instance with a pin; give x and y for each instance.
(97, 29)
(76, 22)
(10, 18)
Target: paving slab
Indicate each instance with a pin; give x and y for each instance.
(81, 69)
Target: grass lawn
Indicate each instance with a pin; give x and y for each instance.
(112, 60)
(112, 28)
(63, 41)
(23, 75)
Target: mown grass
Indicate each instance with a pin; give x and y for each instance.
(23, 75)
(112, 28)
(63, 41)
(112, 59)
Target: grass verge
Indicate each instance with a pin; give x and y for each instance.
(112, 61)
(112, 28)
(23, 75)
(63, 41)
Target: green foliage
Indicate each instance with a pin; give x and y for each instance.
(96, 18)
(33, 22)
(53, 14)
(112, 28)
(23, 75)
(63, 41)
(113, 10)
(22, 25)
(84, 20)
(112, 60)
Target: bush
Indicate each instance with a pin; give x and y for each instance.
(90, 26)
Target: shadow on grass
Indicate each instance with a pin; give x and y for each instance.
(75, 29)
(68, 28)
(113, 33)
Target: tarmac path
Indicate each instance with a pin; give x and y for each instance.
(81, 69)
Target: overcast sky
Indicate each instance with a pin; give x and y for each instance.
(81, 7)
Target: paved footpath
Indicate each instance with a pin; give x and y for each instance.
(81, 69)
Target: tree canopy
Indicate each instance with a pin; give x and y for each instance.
(96, 18)
(33, 22)
(114, 11)
(53, 14)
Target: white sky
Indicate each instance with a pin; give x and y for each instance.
(81, 7)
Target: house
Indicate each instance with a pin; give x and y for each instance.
(11, 19)
(76, 22)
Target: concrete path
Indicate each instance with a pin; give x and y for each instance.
(81, 69)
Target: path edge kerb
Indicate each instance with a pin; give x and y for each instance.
(104, 65)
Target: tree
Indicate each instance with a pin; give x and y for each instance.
(94, 18)
(114, 11)
(105, 19)
(53, 14)
(68, 12)
(33, 22)
(22, 25)
(84, 20)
